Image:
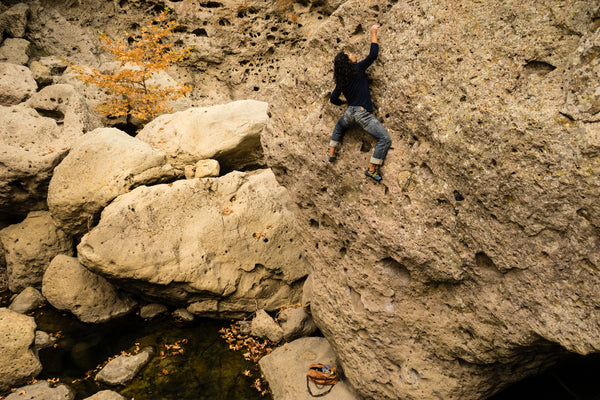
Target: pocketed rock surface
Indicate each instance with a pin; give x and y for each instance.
(221, 244)
(29, 248)
(101, 165)
(18, 361)
(475, 262)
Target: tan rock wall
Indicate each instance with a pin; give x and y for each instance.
(474, 262)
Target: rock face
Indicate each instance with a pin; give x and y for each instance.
(228, 133)
(15, 51)
(225, 243)
(67, 285)
(14, 20)
(101, 165)
(18, 362)
(54, 32)
(475, 262)
(3, 275)
(286, 367)
(66, 106)
(30, 246)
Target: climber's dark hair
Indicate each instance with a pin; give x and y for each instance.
(343, 70)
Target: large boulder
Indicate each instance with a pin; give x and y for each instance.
(29, 248)
(286, 367)
(101, 165)
(225, 243)
(30, 147)
(582, 96)
(16, 84)
(69, 286)
(475, 262)
(229, 133)
(18, 362)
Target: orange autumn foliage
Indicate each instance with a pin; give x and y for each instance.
(130, 92)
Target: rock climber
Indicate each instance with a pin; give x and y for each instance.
(351, 80)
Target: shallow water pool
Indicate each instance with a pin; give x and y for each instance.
(191, 360)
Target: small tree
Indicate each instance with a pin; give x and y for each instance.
(129, 89)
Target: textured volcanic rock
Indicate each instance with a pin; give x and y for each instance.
(475, 263)
(29, 248)
(229, 133)
(68, 285)
(225, 244)
(33, 140)
(18, 361)
(101, 165)
(16, 83)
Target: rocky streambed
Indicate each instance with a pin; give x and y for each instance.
(191, 360)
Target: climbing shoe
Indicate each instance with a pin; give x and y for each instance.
(375, 175)
(332, 158)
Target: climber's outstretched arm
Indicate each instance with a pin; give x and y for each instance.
(374, 29)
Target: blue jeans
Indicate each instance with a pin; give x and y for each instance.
(356, 115)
